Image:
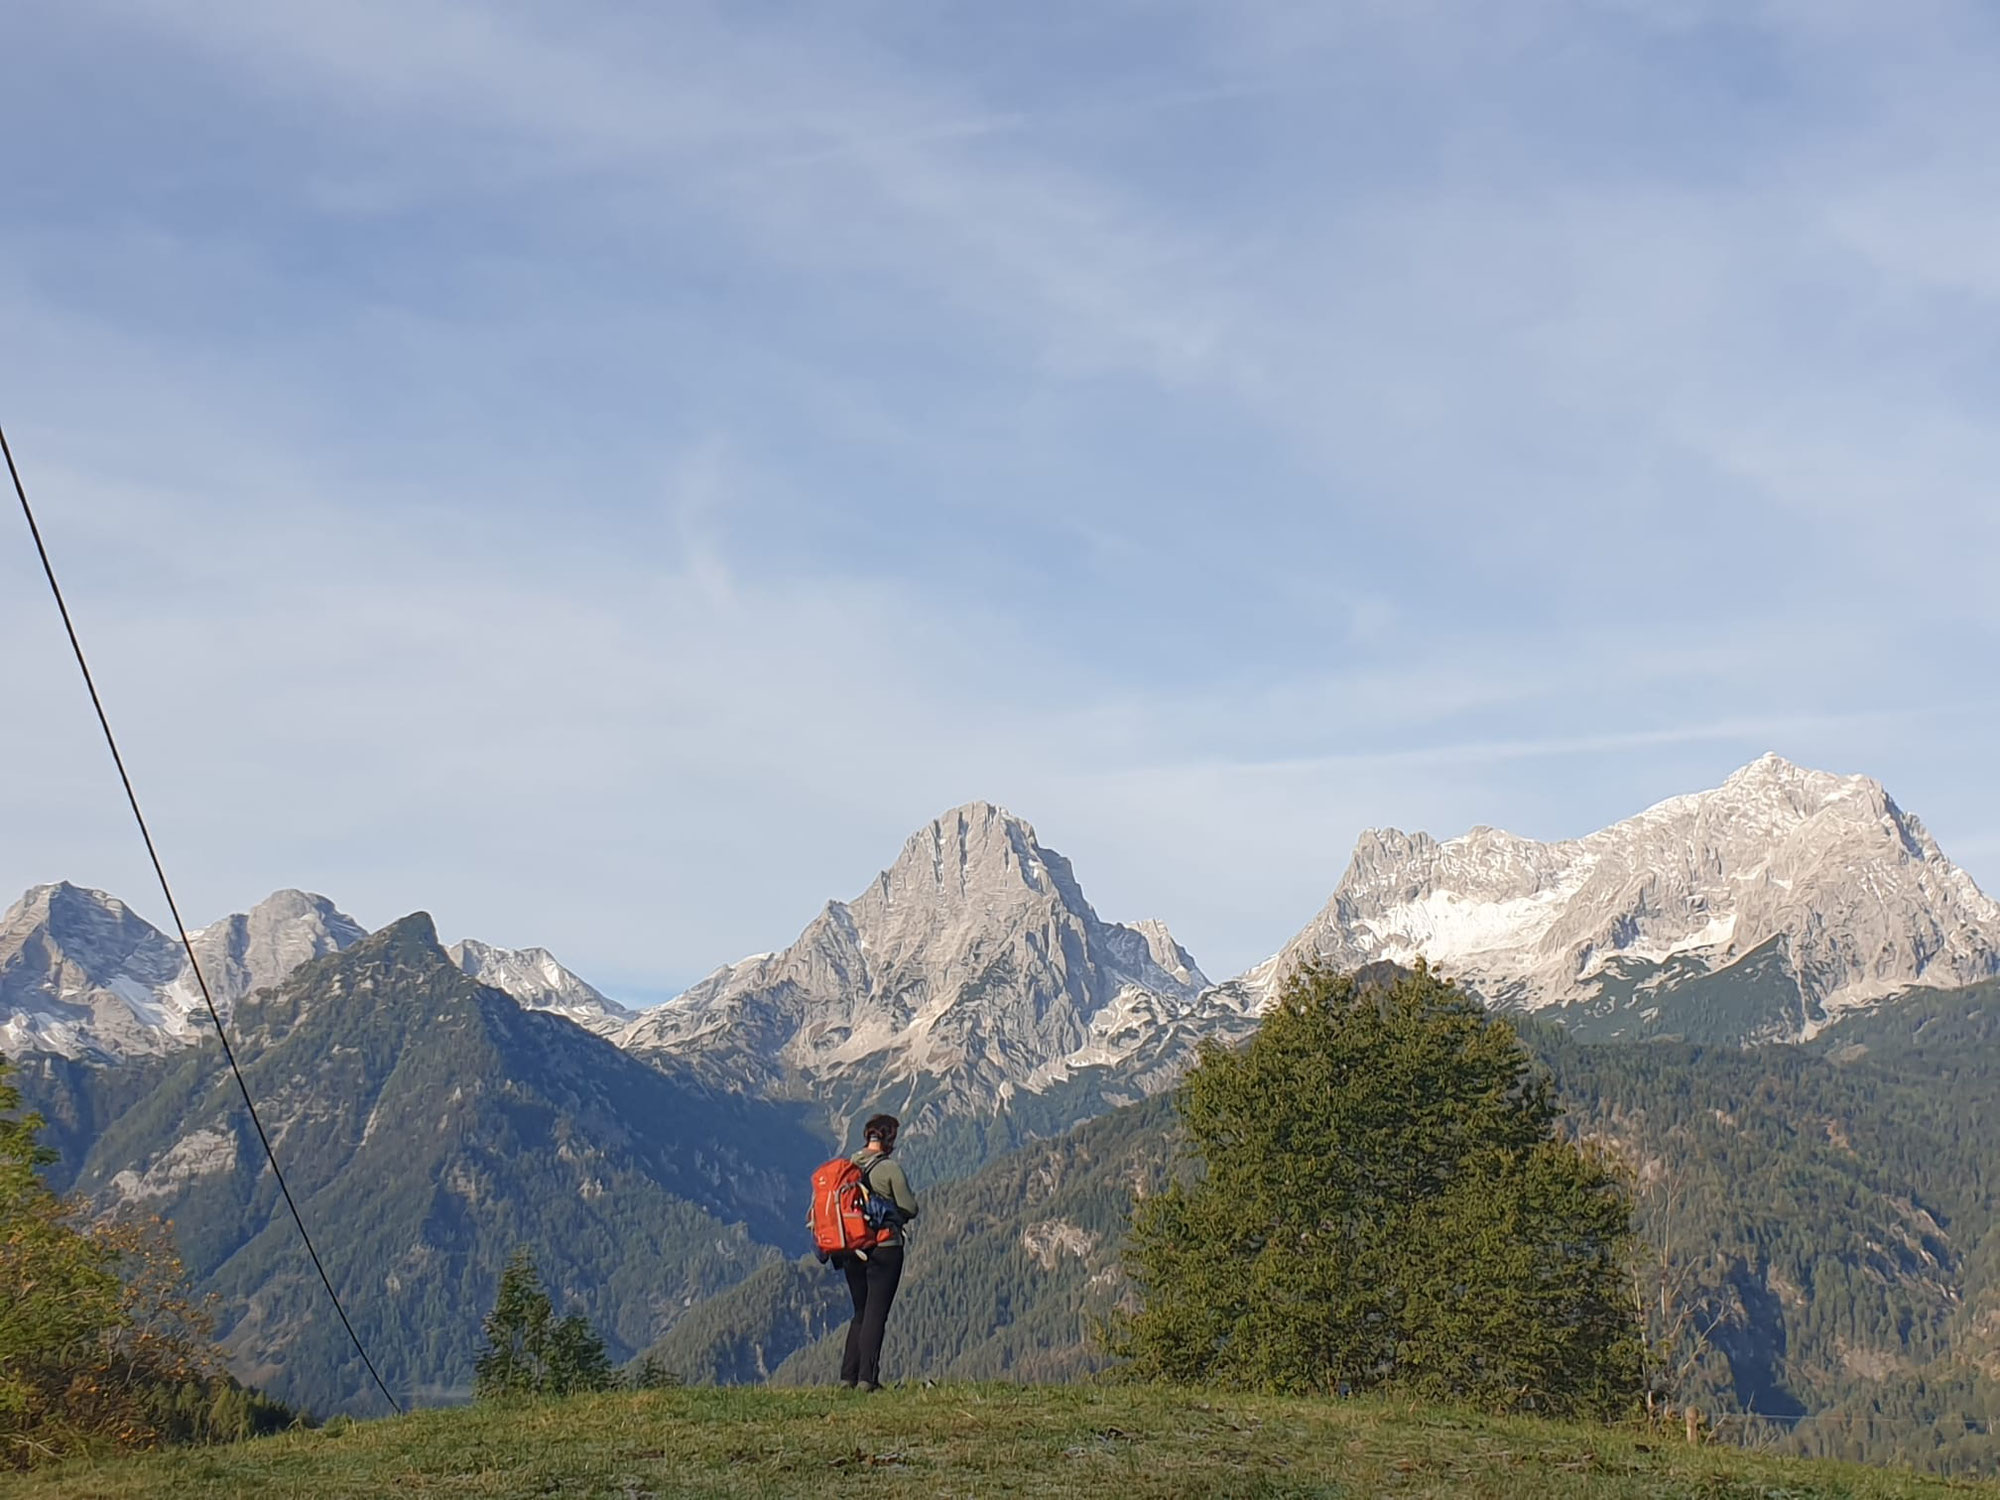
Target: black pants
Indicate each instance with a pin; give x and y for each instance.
(872, 1285)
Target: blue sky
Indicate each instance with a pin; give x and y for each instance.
(605, 474)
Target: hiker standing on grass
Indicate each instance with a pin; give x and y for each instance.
(872, 1276)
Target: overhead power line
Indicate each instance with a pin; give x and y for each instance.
(167, 890)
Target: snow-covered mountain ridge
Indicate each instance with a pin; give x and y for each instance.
(973, 969)
(1835, 895)
(534, 978)
(83, 976)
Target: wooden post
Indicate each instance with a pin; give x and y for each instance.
(1694, 1424)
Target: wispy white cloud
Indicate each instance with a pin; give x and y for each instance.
(811, 144)
(607, 475)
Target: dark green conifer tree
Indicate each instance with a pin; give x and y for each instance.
(1386, 1201)
(529, 1352)
(576, 1360)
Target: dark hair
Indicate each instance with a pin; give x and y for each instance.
(881, 1128)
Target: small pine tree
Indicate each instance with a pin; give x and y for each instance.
(529, 1352)
(577, 1361)
(1386, 1202)
(516, 1333)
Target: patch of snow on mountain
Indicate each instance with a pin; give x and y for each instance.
(145, 1002)
(1445, 922)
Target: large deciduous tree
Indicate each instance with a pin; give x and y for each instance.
(1385, 1199)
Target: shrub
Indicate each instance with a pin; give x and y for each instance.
(100, 1345)
(1386, 1202)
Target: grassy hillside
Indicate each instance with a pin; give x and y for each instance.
(1139, 1444)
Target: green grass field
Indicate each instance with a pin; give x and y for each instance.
(1129, 1443)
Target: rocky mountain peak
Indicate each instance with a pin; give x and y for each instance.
(409, 939)
(1772, 777)
(973, 962)
(392, 961)
(94, 926)
(1169, 955)
(975, 853)
(536, 981)
(250, 951)
(1821, 873)
(80, 975)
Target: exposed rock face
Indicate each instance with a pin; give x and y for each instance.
(253, 951)
(83, 976)
(1050, 1240)
(974, 960)
(1809, 893)
(1168, 954)
(537, 982)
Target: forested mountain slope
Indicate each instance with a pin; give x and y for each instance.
(1947, 1407)
(1835, 1201)
(1006, 1269)
(428, 1125)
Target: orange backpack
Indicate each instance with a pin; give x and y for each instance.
(840, 1214)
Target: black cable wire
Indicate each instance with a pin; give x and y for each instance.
(228, 1052)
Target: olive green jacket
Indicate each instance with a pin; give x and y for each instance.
(886, 1179)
